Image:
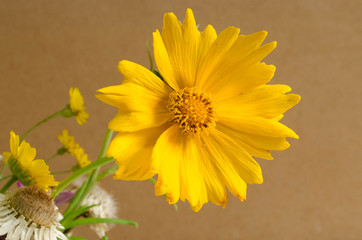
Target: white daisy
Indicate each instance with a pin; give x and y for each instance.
(29, 214)
(105, 207)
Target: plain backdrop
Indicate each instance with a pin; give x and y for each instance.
(312, 190)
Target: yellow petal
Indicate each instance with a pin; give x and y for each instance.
(172, 39)
(139, 107)
(230, 153)
(26, 154)
(221, 157)
(200, 181)
(181, 44)
(166, 160)
(133, 153)
(214, 56)
(76, 100)
(208, 36)
(257, 125)
(137, 74)
(193, 186)
(237, 74)
(189, 47)
(6, 156)
(40, 173)
(163, 61)
(82, 117)
(14, 144)
(189, 174)
(255, 145)
(268, 101)
(240, 80)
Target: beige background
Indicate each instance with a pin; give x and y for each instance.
(311, 191)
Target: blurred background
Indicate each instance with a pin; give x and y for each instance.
(313, 190)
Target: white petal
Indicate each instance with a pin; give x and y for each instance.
(52, 233)
(8, 226)
(7, 218)
(36, 233)
(47, 234)
(30, 232)
(61, 235)
(41, 233)
(5, 212)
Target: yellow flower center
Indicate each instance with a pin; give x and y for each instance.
(191, 110)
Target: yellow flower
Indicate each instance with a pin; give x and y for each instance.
(27, 170)
(77, 106)
(200, 127)
(73, 148)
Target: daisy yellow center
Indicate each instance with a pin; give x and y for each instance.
(191, 110)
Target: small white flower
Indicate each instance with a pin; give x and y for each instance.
(1, 157)
(105, 207)
(29, 214)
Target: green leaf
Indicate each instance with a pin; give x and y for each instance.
(87, 221)
(77, 198)
(76, 238)
(75, 214)
(104, 238)
(80, 172)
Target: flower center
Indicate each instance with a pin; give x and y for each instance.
(34, 204)
(191, 110)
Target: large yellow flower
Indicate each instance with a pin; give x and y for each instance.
(77, 106)
(27, 170)
(200, 127)
(73, 148)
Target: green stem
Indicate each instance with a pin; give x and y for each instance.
(78, 173)
(93, 176)
(3, 167)
(50, 158)
(3, 178)
(106, 142)
(89, 183)
(62, 172)
(8, 184)
(149, 56)
(39, 123)
(111, 170)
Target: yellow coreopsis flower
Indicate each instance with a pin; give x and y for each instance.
(77, 106)
(27, 170)
(73, 148)
(201, 125)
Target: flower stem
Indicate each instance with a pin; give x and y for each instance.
(3, 178)
(111, 170)
(8, 184)
(91, 180)
(149, 56)
(39, 123)
(50, 158)
(3, 167)
(100, 162)
(62, 172)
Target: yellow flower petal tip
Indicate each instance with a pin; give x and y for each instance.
(27, 170)
(76, 103)
(200, 121)
(73, 148)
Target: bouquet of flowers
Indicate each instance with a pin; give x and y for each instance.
(192, 126)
